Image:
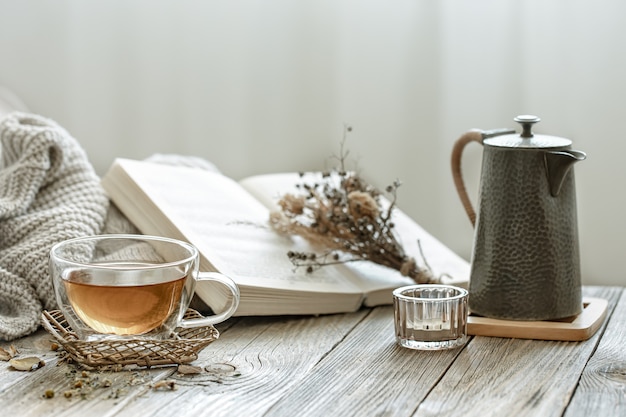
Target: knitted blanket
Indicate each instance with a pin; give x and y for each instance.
(49, 192)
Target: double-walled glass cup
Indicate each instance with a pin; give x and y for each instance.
(130, 286)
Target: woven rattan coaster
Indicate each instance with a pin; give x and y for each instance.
(183, 347)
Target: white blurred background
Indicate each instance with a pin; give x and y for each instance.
(259, 86)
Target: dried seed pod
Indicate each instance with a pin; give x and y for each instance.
(29, 363)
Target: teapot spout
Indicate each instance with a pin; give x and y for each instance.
(558, 164)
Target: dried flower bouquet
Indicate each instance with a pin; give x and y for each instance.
(348, 220)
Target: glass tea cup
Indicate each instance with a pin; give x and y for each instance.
(130, 286)
(430, 316)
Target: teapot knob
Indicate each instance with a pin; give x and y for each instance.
(527, 121)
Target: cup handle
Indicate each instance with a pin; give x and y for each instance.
(457, 175)
(230, 308)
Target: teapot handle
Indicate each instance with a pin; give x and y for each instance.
(474, 135)
(457, 175)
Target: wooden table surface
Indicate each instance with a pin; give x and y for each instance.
(339, 365)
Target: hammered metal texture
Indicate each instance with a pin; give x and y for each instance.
(525, 260)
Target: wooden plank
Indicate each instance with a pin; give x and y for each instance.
(367, 375)
(250, 367)
(92, 393)
(601, 391)
(341, 365)
(494, 377)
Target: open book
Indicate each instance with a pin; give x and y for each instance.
(228, 222)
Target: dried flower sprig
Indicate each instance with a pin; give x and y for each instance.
(345, 217)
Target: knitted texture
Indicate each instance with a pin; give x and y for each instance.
(49, 192)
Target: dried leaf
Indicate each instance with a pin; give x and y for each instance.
(189, 369)
(29, 363)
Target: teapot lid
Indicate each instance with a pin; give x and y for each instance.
(527, 139)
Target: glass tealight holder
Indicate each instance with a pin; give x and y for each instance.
(430, 316)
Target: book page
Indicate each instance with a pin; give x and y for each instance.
(269, 188)
(228, 226)
(443, 262)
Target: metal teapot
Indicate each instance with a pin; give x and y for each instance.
(525, 259)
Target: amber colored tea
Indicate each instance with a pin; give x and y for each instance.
(123, 309)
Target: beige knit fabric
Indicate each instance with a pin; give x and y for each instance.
(49, 192)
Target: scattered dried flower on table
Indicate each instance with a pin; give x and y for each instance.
(348, 219)
(167, 385)
(6, 355)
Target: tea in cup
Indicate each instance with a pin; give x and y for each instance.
(130, 286)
